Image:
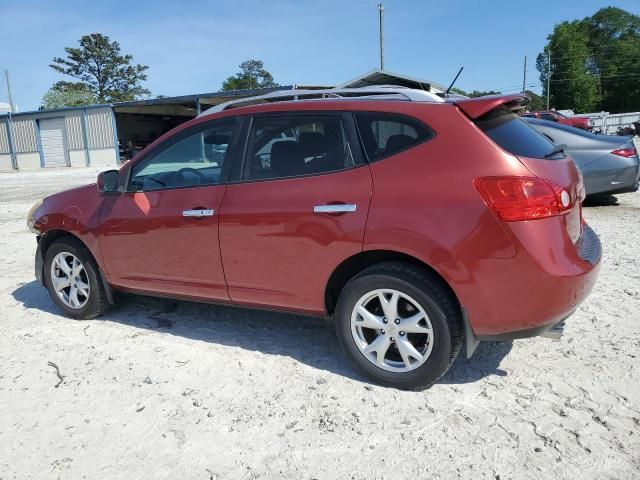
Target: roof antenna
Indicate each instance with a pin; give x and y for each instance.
(454, 81)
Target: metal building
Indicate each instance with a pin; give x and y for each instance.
(103, 135)
(69, 137)
(97, 135)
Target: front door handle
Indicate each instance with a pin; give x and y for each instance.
(335, 208)
(199, 212)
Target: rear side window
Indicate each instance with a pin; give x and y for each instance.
(284, 146)
(515, 135)
(385, 134)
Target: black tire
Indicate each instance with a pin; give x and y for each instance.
(96, 303)
(432, 295)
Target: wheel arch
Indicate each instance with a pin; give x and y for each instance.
(50, 236)
(362, 260)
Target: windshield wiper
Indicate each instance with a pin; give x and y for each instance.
(557, 149)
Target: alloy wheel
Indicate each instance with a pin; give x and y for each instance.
(69, 280)
(392, 330)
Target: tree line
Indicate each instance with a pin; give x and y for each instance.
(593, 64)
(587, 65)
(102, 74)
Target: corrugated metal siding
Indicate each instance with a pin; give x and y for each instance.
(4, 138)
(24, 134)
(100, 128)
(73, 124)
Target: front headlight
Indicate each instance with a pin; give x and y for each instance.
(31, 219)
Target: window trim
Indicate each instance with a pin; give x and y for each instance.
(187, 132)
(351, 138)
(410, 119)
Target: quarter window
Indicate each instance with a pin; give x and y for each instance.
(515, 135)
(289, 146)
(385, 134)
(193, 160)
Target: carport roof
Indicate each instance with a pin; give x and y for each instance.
(384, 77)
(186, 104)
(212, 98)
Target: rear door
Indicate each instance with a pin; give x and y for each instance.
(295, 211)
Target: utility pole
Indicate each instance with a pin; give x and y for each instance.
(6, 76)
(381, 16)
(548, 77)
(524, 75)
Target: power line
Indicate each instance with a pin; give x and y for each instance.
(596, 76)
(590, 48)
(605, 63)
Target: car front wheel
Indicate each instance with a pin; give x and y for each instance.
(399, 324)
(73, 280)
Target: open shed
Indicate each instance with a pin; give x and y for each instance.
(140, 122)
(109, 134)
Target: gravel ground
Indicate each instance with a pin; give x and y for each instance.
(166, 389)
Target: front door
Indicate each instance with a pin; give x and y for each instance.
(296, 212)
(161, 235)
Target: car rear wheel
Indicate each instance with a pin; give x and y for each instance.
(73, 280)
(399, 324)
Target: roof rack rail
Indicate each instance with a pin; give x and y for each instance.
(380, 92)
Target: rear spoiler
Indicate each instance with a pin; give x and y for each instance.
(476, 107)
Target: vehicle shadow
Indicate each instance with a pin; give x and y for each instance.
(601, 201)
(308, 340)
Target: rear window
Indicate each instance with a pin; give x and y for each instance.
(515, 135)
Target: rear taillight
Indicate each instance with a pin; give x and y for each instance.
(625, 152)
(515, 199)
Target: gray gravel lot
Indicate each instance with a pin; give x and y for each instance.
(167, 389)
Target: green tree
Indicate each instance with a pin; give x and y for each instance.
(67, 94)
(479, 93)
(595, 62)
(252, 74)
(537, 102)
(103, 70)
(475, 93)
(614, 40)
(573, 84)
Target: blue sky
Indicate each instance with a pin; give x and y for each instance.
(192, 46)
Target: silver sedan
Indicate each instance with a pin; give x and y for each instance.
(609, 163)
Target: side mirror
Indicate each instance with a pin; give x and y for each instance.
(108, 181)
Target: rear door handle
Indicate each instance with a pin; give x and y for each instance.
(200, 212)
(335, 208)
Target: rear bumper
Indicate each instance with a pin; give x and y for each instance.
(541, 330)
(506, 299)
(619, 180)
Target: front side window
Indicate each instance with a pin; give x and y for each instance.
(294, 145)
(193, 160)
(385, 134)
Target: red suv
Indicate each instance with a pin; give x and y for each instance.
(420, 225)
(553, 116)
